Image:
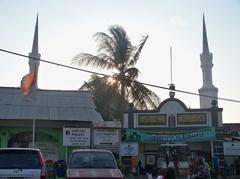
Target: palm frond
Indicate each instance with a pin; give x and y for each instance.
(132, 73)
(138, 50)
(92, 60)
(123, 44)
(143, 98)
(105, 43)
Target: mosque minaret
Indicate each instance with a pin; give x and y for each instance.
(34, 55)
(208, 91)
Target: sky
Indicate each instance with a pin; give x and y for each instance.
(66, 28)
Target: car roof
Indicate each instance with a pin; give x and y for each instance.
(26, 149)
(91, 150)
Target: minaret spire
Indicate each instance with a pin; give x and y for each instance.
(33, 63)
(35, 38)
(208, 89)
(205, 41)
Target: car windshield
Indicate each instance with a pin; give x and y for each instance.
(92, 160)
(22, 159)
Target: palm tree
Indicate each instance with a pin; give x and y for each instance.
(115, 52)
(102, 93)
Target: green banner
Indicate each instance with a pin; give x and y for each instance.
(141, 136)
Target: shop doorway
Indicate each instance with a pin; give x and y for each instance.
(170, 154)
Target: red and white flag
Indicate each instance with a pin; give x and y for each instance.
(27, 82)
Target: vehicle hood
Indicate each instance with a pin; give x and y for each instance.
(93, 173)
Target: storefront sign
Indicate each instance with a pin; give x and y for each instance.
(129, 149)
(231, 148)
(76, 136)
(206, 134)
(106, 136)
(150, 159)
(192, 119)
(152, 119)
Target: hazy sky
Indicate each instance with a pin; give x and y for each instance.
(66, 28)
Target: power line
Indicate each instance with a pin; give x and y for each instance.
(96, 73)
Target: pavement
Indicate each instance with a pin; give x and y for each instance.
(178, 177)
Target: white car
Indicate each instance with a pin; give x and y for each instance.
(91, 163)
(22, 163)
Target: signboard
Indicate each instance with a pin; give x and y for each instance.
(129, 149)
(150, 159)
(192, 119)
(109, 124)
(152, 119)
(106, 136)
(76, 136)
(205, 134)
(231, 148)
(49, 150)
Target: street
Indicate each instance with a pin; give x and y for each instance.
(178, 177)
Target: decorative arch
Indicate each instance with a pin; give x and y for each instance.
(172, 99)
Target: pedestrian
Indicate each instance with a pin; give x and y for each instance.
(167, 160)
(175, 161)
(216, 165)
(149, 175)
(203, 169)
(170, 173)
(161, 174)
(139, 167)
(192, 167)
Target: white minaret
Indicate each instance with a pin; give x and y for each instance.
(208, 89)
(34, 64)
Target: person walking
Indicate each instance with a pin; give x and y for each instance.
(167, 160)
(170, 173)
(175, 162)
(139, 167)
(161, 174)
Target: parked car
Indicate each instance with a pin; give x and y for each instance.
(22, 163)
(92, 163)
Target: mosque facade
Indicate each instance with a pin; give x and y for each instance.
(175, 131)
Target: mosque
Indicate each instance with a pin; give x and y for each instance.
(174, 130)
(58, 121)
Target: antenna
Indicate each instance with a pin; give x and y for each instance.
(171, 63)
(171, 85)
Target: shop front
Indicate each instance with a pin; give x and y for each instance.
(171, 148)
(173, 133)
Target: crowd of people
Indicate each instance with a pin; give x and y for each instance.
(198, 169)
(168, 173)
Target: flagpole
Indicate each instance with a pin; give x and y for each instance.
(29, 81)
(34, 118)
(33, 134)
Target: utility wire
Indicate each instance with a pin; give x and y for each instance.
(96, 73)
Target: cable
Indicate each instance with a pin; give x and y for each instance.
(96, 73)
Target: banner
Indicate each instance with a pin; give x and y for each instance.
(141, 136)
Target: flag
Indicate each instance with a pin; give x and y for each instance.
(27, 82)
